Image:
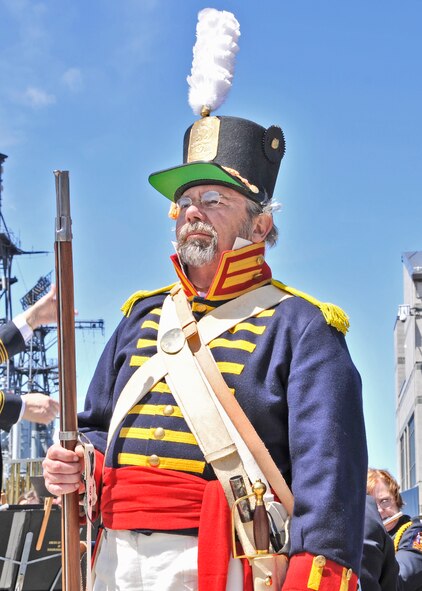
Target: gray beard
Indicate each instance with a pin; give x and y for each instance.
(198, 251)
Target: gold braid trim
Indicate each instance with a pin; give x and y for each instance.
(399, 534)
(141, 295)
(334, 316)
(234, 172)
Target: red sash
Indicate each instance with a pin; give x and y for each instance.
(150, 498)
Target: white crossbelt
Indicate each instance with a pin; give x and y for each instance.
(211, 326)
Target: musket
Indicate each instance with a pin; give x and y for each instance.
(67, 376)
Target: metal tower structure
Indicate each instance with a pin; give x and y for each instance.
(8, 249)
(33, 370)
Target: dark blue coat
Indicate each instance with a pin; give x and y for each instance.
(293, 375)
(11, 342)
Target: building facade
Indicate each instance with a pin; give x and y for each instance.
(408, 373)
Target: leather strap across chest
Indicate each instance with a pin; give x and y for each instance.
(220, 393)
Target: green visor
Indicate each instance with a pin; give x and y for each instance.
(168, 182)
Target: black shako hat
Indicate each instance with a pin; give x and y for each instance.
(227, 151)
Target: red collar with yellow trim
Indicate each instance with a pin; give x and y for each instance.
(238, 271)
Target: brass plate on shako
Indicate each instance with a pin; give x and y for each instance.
(172, 341)
(203, 140)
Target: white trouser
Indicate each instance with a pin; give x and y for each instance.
(131, 561)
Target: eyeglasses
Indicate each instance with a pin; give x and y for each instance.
(385, 503)
(207, 200)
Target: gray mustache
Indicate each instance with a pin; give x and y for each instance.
(196, 227)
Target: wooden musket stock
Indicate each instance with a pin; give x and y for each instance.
(67, 376)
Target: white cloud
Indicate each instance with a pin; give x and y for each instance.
(72, 79)
(37, 98)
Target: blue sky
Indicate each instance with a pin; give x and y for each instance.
(99, 88)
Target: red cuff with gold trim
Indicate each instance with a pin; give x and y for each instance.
(317, 573)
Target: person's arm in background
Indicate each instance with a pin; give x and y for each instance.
(34, 407)
(43, 311)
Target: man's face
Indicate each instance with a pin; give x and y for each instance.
(204, 231)
(386, 504)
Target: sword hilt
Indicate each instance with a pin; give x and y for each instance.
(261, 529)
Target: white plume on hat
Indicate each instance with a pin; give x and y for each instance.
(214, 55)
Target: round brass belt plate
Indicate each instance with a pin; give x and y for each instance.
(172, 341)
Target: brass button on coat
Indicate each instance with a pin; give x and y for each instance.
(154, 460)
(159, 433)
(320, 560)
(260, 260)
(200, 308)
(168, 410)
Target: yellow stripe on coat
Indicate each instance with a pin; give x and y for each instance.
(165, 463)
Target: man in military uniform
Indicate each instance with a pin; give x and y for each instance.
(405, 532)
(288, 366)
(34, 407)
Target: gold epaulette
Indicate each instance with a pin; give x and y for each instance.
(399, 534)
(141, 295)
(333, 315)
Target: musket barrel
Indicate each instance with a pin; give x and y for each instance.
(63, 219)
(67, 376)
